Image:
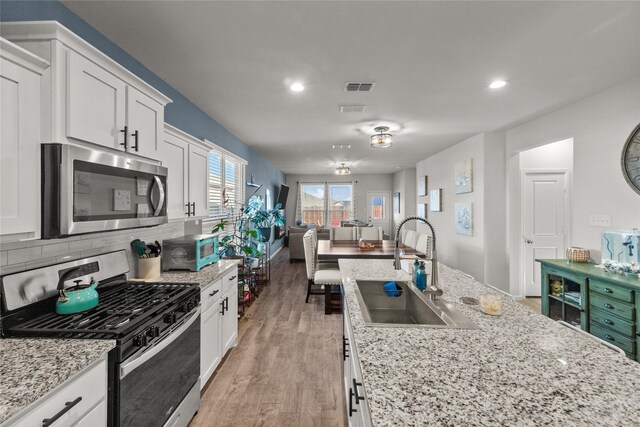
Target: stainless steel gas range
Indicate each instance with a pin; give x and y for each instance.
(154, 369)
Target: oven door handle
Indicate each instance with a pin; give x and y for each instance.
(133, 364)
(156, 210)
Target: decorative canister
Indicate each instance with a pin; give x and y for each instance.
(578, 254)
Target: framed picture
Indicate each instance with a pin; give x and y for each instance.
(422, 209)
(435, 200)
(464, 176)
(396, 202)
(464, 219)
(423, 187)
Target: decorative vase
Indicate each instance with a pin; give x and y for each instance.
(264, 234)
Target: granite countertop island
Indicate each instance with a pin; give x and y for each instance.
(205, 276)
(520, 368)
(30, 368)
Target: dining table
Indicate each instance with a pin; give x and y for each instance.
(332, 250)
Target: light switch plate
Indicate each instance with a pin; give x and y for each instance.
(600, 220)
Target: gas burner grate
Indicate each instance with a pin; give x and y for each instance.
(121, 308)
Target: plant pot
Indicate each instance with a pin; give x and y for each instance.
(230, 251)
(264, 234)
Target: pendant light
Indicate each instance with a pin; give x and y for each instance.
(343, 169)
(382, 139)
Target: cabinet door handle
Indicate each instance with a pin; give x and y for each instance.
(607, 291)
(188, 210)
(609, 337)
(214, 292)
(126, 137)
(609, 306)
(608, 321)
(345, 348)
(226, 304)
(67, 407)
(193, 208)
(355, 391)
(222, 305)
(351, 408)
(135, 137)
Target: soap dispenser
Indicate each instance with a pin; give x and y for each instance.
(421, 277)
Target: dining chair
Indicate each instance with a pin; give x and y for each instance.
(423, 244)
(369, 233)
(342, 233)
(410, 239)
(325, 278)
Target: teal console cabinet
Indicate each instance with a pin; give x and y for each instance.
(604, 304)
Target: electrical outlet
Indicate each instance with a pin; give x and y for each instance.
(600, 220)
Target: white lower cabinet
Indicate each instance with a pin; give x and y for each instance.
(356, 400)
(79, 401)
(219, 323)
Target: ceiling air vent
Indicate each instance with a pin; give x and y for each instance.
(352, 108)
(359, 86)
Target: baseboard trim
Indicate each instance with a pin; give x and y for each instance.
(274, 254)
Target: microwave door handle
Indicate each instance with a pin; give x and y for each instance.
(157, 209)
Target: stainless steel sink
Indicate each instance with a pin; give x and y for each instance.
(409, 309)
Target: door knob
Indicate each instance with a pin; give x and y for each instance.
(529, 242)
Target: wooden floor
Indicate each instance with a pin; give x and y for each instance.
(287, 367)
(533, 303)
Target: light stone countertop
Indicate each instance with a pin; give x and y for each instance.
(517, 369)
(205, 276)
(30, 368)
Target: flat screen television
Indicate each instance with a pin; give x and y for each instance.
(282, 196)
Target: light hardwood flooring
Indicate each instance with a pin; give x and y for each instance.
(533, 303)
(287, 367)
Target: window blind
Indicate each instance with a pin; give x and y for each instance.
(227, 174)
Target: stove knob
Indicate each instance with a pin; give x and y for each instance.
(140, 340)
(190, 306)
(183, 308)
(170, 318)
(153, 332)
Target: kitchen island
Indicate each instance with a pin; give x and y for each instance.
(520, 368)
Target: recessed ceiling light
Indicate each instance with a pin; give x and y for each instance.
(496, 84)
(297, 87)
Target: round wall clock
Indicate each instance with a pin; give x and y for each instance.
(631, 160)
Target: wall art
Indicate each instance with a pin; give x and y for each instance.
(464, 218)
(435, 200)
(464, 176)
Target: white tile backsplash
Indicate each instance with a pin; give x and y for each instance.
(18, 256)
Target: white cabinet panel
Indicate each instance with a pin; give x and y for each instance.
(96, 102)
(174, 154)
(210, 343)
(230, 320)
(20, 147)
(96, 418)
(145, 122)
(198, 179)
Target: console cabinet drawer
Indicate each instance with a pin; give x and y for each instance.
(230, 280)
(614, 338)
(616, 323)
(611, 305)
(611, 291)
(210, 294)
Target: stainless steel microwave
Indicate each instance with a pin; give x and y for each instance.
(87, 191)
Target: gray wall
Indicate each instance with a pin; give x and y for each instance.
(404, 182)
(366, 182)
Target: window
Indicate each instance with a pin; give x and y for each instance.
(377, 207)
(325, 205)
(226, 175)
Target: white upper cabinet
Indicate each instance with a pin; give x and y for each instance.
(187, 159)
(88, 97)
(20, 79)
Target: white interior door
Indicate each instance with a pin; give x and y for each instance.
(544, 209)
(378, 211)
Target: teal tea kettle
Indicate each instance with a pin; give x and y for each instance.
(76, 298)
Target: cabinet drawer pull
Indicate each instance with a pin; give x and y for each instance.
(609, 322)
(214, 292)
(125, 131)
(232, 277)
(355, 391)
(351, 408)
(609, 306)
(607, 291)
(135, 138)
(609, 337)
(67, 407)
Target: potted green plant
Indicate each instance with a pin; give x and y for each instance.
(264, 219)
(239, 241)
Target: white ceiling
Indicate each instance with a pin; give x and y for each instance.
(432, 62)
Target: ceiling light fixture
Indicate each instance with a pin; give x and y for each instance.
(297, 87)
(343, 169)
(382, 139)
(497, 84)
